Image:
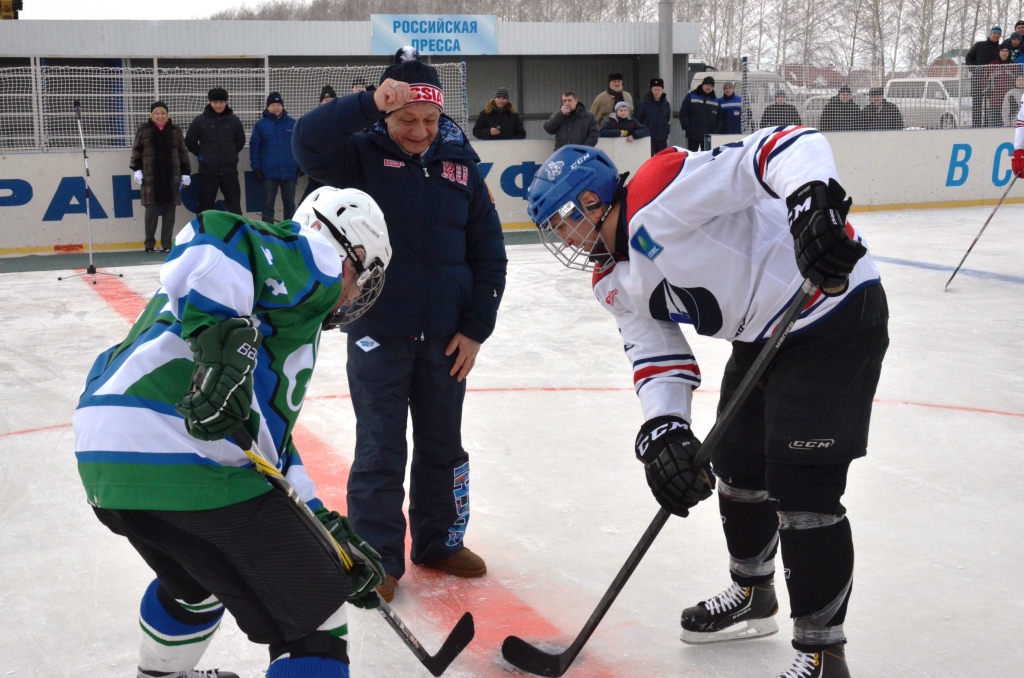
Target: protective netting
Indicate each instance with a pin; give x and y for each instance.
(37, 104)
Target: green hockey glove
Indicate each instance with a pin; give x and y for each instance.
(221, 395)
(365, 572)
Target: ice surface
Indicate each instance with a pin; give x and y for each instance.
(558, 498)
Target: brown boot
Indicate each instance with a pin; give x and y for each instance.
(465, 563)
(387, 589)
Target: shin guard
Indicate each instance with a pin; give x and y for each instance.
(175, 633)
(750, 523)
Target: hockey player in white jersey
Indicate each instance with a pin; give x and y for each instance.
(722, 240)
(1017, 160)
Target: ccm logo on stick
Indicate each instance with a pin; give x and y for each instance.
(818, 444)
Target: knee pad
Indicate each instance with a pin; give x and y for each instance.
(750, 524)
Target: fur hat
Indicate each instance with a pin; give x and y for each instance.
(657, 82)
(425, 85)
(614, 76)
(217, 94)
(157, 104)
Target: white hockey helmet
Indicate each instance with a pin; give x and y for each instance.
(349, 219)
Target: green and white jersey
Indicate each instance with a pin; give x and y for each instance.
(132, 447)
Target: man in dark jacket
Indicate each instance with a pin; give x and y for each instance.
(655, 112)
(412, 351)
(732, 110)
(499, 119)
(270, 153)
(880, 114)
(572, 123)
(840, 113)
(215, 137)
(981, 54)
(781, 113)
(620, 124)
(700, 114)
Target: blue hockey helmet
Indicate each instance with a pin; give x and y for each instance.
(555, 191)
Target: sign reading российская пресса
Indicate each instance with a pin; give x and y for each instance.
(435, 33)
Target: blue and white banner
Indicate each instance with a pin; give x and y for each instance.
(452, 34)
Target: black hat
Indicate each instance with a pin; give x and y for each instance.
(845, 89)
(708, 80)
(614, 76)
(875, 92)
(327, 92)
(501, 92)
(217, 94)
(274, 98)
(426, 85)
(157, 104)
(657, 82)
(780, 93)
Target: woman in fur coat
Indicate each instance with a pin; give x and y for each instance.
(162, 168)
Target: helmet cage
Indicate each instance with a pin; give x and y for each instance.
(573, 221)
(369, 277)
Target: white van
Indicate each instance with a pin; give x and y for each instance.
(934, 103)
(761, 88)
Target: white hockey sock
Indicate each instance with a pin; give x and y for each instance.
(175, 634)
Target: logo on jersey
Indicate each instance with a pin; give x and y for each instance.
(367, 344)
(553, 169)
(610, 299)
(813, 444)
(277, 287)
(643, 243)
(455, 172)
(388, 162)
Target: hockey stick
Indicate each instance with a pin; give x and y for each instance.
(1005, 193)
(456, 641)
(521, 654)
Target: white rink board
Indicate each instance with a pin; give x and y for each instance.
(42, 194)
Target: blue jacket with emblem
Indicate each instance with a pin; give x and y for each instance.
(447, 272)
(270, 146)
(732, 112)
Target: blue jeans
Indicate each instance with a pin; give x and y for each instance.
(270, 197)
(404, 376)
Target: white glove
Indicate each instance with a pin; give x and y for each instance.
(186, 180)
(138, 177)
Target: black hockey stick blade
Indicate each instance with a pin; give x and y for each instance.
(453, 645)
(526, 657)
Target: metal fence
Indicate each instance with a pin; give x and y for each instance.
(37, 103)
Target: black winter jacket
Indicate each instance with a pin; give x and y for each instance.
(982, 53)
(776, 115)
(886, 116)
(579, 127)
(700, 114)
(839, 117)
(510, 123)
(447, 272)
(216, 140)
(614, 126)
(655, 115)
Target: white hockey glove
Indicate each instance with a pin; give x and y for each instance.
(186, 180)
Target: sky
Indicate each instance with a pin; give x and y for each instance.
(125, 9)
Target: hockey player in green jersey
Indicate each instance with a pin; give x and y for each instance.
(229, 342)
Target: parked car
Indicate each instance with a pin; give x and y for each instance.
(933, 103)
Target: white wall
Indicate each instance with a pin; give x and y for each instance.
(42, 194)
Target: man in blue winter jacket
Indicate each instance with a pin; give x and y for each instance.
(270, 153)
(700, 114)
(731, 105)
(411, 353)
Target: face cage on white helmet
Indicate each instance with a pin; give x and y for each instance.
(576, 224)
(371, 280)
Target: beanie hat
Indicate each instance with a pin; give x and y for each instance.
(876, 92)
(995, 29)
(217, 94)
(327, 92)
(728, 84)
(274, 98)
(424, 83)
(845, 89)
(614, 76)
(708, 80)
(657, 82)
(157, 104)
(621, 104)
(501, 92)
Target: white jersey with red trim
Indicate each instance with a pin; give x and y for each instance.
(709, 246)
(1018, 135)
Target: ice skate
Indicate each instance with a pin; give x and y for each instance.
(738, 613)
(191, 673)
(826, 662)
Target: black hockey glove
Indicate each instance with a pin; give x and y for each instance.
(363, 567)
(221, 395)
(824, 252)
(667, 446)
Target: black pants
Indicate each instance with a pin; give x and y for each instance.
(694, 144)
(209, 184)
(153, 213)
(259, 558)
(658, 145)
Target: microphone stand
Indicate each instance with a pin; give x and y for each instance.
(91, 270)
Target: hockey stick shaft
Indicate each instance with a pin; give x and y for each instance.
(977, 237)
(527, 657)
(456, 641)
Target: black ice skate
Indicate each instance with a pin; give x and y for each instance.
(737, 613)
(191, 673)
(826, 662)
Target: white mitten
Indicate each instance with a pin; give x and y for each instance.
(138, 177)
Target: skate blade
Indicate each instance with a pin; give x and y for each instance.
(745, 630)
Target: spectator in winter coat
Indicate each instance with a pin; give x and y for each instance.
(981, 54)
(780, 113)
(161, 165)
(327, 95)
(700, 114)
(880, 114)
(1018, 28)
(655, 112)
(732, 110)
(499, 119)
(1015, 45)
(620, 124)
(1011, 102)
(412, 351)
(1001, 74)
(270, 153)
(840, 113)
(604, 103)
(216, 137)
(572, 123)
